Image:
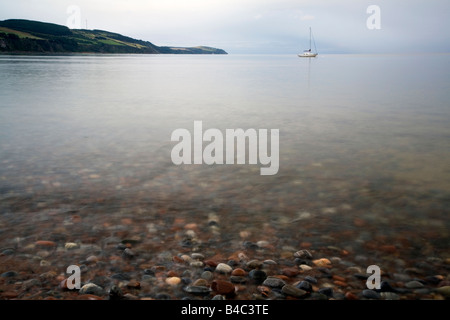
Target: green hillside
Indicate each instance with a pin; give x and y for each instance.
(26, 36)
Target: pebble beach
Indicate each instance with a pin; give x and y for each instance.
(176, 251)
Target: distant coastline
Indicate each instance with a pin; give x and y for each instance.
(18, 36)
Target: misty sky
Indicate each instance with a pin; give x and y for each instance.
(257, 26)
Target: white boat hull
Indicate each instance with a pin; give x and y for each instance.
(307, 55)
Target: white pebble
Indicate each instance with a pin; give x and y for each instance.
(223, 268)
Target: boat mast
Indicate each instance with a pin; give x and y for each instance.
(309, 38)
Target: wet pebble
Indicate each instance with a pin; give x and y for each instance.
(311, 279)
(323, 262)
(7, 252)
(201, 290)
(121, 276)
(173, 281)
(257, 275)
(327, 291)
(207, 275)
(71, 245)
(9, 274)
(92, 259)
(350, 296)
(134, 284)
(290, 290)
(445, 291)
(239, 272)
(389, 296)
(305, 285)
(305, 267)
(200, 282)
(254, 264)
(303, 254)
(92, 288)
(290, 272)
(115, 293)
(223, 268)
(414, 284)
(319, 296)
(45, 243)
(197, 256)
(274, 282)
(370, 294)
(196, 264)
(223, 287)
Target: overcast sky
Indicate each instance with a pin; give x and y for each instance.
(257, 26)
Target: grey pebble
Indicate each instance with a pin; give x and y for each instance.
(7, 252)
(254, 264)
(207, 275)
(9, 274)
(318, 296)
(290, 290)
(274, 282)
(389, 296)
(197, 289)
(311, 279)
(414, 284)
(121, 276)
(197, 256)
(305, 285)
(196, 264)
(371, 294)
(257, 275)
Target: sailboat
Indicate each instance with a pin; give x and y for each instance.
(308, 53)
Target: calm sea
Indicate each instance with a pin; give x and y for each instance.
(361, 136)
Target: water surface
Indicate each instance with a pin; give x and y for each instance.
(361, 136)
